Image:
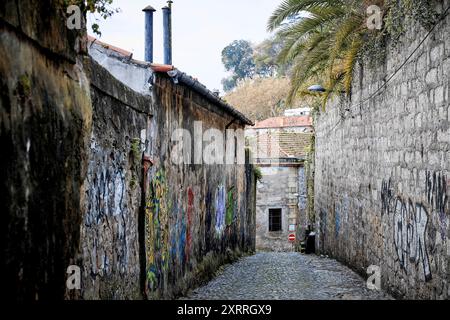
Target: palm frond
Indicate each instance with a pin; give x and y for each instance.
(350, 62)
(289, 8)
(333, 86)
(343, 35)
(324, 45)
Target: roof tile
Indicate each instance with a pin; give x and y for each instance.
(281, 122)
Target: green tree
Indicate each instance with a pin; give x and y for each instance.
(97, 8)
(323, 39)
(265, 56)
(237, 58)
(229, 83)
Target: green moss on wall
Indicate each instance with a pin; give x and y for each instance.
(24, 85)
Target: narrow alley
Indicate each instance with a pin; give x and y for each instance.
(247, 150)
(286, 276)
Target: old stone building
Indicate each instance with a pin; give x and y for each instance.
(280, 145)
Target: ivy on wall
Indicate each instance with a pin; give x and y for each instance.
(398, 15)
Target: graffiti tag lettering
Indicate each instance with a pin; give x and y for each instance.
(220, 209)
(410, 223)
(437, 198)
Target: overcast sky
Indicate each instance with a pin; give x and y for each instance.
(201, 29)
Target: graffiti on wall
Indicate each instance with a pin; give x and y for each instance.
(340, 215)
(387, 196)
(178, 234)
(410, 224)
(107, 194)
(437, 199)
(220, 209)
(107, 198)
(411, 219)
(208, 220)
(158, 207)
(190, 214)
(173, 229)
(230, 214)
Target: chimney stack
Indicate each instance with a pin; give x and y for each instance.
(149, 33)
(167, 26)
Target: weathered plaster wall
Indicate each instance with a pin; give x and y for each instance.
(197, 216)
(74, 190)
(382, 177)
(138, 76)
(45, 120)
(279, 189)
(110, 227)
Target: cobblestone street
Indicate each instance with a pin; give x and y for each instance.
(286, 276)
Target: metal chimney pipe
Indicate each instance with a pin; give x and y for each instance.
(167, 26)
(149, 33)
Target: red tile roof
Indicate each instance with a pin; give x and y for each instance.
(282, 122)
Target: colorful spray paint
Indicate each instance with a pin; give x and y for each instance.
(230, 207)
(220, 210)
(157, 231)
(190, 210)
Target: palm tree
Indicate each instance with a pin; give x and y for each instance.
(323, 40)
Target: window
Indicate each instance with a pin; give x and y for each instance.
(274, 220)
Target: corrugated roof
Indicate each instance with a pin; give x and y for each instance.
(282, 122)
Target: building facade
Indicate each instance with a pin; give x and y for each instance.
(280, 145)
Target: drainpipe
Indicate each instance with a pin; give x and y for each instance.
(149, 33)
(167, 26)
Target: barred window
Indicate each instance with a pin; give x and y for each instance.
(275, 220)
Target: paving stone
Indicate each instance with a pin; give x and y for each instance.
(287, 276)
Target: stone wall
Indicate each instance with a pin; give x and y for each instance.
(45, 123)
(278, 189)
(76, 188)
(197, 216)
(302, 191)
(382, 176)
(109, 253)
(159, 232)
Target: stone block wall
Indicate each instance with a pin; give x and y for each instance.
(278, 189)
(382, 177)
